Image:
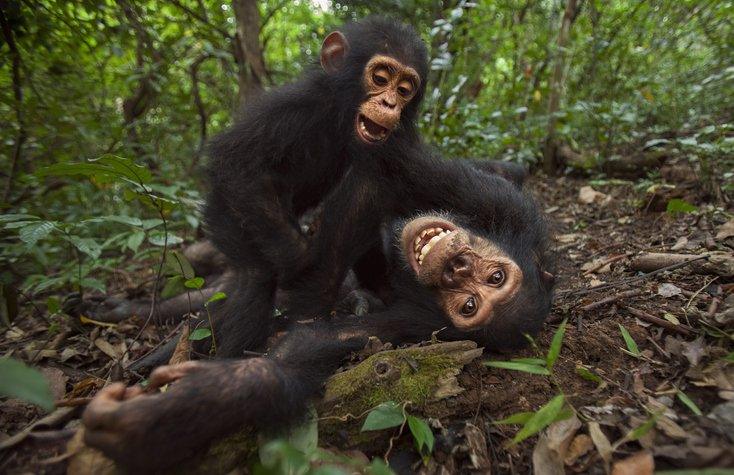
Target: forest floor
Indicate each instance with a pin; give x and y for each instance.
(665, 401)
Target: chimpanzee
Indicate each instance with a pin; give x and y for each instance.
(481, 274)
(287, 153)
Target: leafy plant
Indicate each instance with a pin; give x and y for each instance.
(543, 366)
(533, 422)
(390, 414)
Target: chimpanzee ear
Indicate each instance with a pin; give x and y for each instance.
(333, 51)
(548, 278)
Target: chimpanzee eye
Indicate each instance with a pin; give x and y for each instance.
(497, 278)
(380, 77)
(403, 91)
(469, 308)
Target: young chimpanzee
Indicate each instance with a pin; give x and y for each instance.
(292, 146)
(480, 274)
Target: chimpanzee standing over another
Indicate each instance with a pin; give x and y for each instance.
(286, 155)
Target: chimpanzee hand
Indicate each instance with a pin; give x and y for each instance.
(146, 432)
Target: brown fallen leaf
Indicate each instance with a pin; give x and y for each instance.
(106, 348)
(640, 463)
(725, 231)
(601, 442)
(588, 195)
(183, 347)
(550, 451)
(580, 446)
(85, 460)
(476, 445)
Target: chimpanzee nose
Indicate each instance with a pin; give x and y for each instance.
(389, 102)
(456, 270)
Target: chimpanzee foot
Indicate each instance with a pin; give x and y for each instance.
(359, 302)
(104, 309)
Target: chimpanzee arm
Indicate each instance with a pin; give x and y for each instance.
(349, 227)
(210, 400)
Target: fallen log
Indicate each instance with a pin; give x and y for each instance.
(717, 263)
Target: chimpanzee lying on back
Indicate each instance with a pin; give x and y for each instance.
(480, 274)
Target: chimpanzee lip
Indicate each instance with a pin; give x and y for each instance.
(424, 240)
(370, 131)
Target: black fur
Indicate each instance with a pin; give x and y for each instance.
(284, 156)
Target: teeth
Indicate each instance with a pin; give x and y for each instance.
(434, 235)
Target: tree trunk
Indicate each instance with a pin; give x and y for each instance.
(20, 136)
(551, 161)
(247, 49)
(135, 106)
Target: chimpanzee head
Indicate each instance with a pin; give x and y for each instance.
(379, 67)
(484, 281)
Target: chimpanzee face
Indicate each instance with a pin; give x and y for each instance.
(471, 275)
(388, 84)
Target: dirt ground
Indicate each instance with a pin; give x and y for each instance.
(685, 352)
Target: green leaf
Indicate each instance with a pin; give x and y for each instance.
(533, 361)
(588, 375)
(178, 264)
(643, 428)
(422, 434)
(516, 418)
(135, 240)
(631, 345)
(23, 382)
(555, 347)
(195, 283)
(378, 467)
(217, 296)
(88, 246)
(200, 334)
(174, 286)
(104, 167)
(31, 233)
(688, 402)
(519, 366)
(386, 415)
(729, 357)
(160, 238)
(7, 218)
(53, 305)
(542, 418)
(679, 206)
(327, 470)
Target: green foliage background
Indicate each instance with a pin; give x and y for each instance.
(636, 71)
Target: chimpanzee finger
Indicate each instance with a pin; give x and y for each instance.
(167, 374)
(102, 411)
(101, 439)
(133, 391)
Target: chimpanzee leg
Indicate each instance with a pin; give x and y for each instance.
(243, 320)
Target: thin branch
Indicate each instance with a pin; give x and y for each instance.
(202, 18)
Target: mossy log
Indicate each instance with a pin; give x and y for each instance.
(422, 375)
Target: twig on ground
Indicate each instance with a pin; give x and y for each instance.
(642, 315)
(630, 280)
(73, 402)
(611, 299)
(610, 260)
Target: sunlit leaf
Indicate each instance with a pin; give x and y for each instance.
(200, 334)
(195, 283)
(631, 345)
(519, 366)
(517, 418)
(680, 206)
(542, 418)
(689, 403)
(216, 297)
(556, 343)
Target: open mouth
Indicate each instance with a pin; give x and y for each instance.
(426, 239)
(370, 131)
